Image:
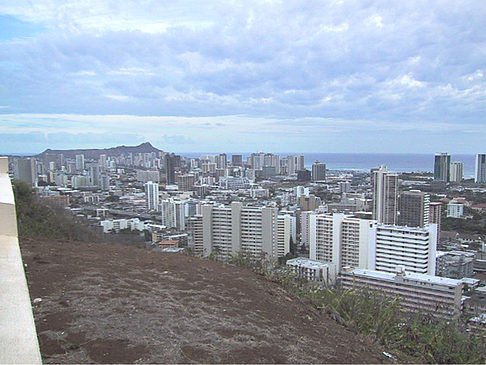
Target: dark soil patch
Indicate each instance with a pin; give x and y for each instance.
(117, 304)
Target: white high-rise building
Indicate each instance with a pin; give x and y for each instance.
(25, 170)
(480, 168)
(286, 231)
(385, 196)
(342, 239)
(291, 165)
(173, 213)
(152, 195)
(411, 247)
(305, 227)
(228, 229)
(456, 173)
(348, 241)
(103, 162)
(300, 163)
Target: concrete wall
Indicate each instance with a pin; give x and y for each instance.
(18, 337)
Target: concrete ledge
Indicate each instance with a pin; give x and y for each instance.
(18, 336)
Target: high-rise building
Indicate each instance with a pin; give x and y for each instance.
(305, 228)
(435, 211)
(152, 195)
(102, 162)
(385, 196)
(442, 166)
(480, 168)
(195, 229)
(25, 170)
(186, 182)
(411, 247)
(237, 160)
(318, 171)
(300, 163)
(413, 206)
(173, 213)
(342, 239)
(231, 229)
(94, 173)
(456, 173)
(291, 165)
(170, 163)
(286, 232)
(80, 162)
(221, 161)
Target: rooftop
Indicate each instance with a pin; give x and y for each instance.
(410, 276)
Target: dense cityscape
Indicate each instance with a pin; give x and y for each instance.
(253, 181)
(378, 229)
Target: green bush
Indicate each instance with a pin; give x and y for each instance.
(410, 337)
(37, 220)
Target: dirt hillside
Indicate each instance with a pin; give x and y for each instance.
(117, 304)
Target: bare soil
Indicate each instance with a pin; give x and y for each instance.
(117, 304)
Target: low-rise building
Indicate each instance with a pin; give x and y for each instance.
(438, 296)
(313, 270)
(116, 225)
(455, 210)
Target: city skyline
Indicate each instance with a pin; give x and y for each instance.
(323, 77)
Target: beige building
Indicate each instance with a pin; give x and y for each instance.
(286, 231)
(426, 293)
(385, 196)
(228, 229)
(342, 239)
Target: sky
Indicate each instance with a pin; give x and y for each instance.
(253, 75)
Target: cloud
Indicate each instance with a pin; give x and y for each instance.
(399, 66)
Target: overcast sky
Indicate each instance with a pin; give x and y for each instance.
(301, 76)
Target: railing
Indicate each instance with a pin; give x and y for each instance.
(18, 337)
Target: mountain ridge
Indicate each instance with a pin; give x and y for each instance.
(145, 147)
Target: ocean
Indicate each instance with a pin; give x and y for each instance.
(365, 161)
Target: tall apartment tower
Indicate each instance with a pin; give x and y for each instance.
(170, 163)
(80, 162)
(480, 168)
(286, 232)
(442, 165)
(291, 165)
(103, 162)
(456, 173)
(237, 160)
(318, 171)
(435, 211)
(195, 229)
(342, 239)
(152, 195)
(385, 196)
(228, 229)
(25, 170)
(173, 213)
(221, 161)
(299, 163)
(413, 206)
